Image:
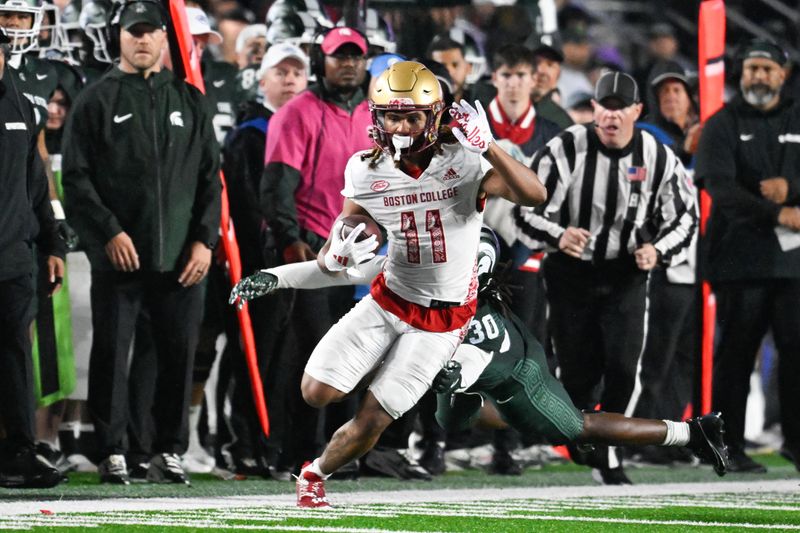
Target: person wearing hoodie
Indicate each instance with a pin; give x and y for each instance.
(748, 159)
(674, 119)
(140, 172)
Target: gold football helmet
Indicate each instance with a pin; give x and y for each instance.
(406, 86)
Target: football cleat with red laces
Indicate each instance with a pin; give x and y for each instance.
(311, 490)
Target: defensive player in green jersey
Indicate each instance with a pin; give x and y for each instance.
(35, 78)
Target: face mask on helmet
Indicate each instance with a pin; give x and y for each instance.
(404, 87)
(93, 20)
(48, 28)
(401, 143)
(286, 8)
(379, 34)
(296, 28)
(22, 39)
(70, 34)
(57, 33)
(488, 253)
(472, 54)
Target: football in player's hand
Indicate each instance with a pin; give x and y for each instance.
(372, 228)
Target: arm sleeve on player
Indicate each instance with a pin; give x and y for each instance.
(307, 275)
(473, 361)
(458, 412)
(349, 190)
(486, 166)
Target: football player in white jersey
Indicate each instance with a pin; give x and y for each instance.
(425, 184)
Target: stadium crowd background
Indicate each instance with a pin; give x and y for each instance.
(569, 45)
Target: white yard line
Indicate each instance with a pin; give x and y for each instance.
(344, 499)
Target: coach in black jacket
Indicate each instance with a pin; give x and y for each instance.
(749, 160)
(24, 212)
(141, 184)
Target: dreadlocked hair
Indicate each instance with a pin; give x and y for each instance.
(445, 137)
(496, 290)
(373, 155)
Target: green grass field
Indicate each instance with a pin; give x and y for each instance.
(554, 498)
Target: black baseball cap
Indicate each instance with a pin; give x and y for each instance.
(764, 49)
(134, 13)
(668, 70)
(660, 29)
(615, 90)
(549, 52)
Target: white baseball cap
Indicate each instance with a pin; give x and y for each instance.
(199, 25)
(280, 51)
(253, 30)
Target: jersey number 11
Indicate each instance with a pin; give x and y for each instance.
(433, 225)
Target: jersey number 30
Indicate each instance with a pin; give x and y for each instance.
(479, 331)
(433, 225)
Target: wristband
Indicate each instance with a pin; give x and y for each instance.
(58, 210)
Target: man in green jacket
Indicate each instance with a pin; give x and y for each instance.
(141, 180)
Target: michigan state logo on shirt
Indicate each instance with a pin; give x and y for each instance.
(176, 119)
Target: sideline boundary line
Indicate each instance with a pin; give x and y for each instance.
(18, 508)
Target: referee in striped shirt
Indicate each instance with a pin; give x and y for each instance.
(619, 204)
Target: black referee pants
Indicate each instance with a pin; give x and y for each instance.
(672, 351)
(16, 371)
(175, 313)
(745, 311)
(597, 321)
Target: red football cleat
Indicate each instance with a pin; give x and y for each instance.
(311, 490)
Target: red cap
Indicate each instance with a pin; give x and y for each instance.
(341, 36)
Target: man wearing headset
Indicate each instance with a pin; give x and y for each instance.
(140, 173)
(310, 141)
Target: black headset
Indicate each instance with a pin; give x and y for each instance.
(117, 9)
(317, 57)
(317, 66)
(114, 15)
